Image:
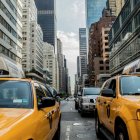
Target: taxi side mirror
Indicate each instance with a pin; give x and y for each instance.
(107, 93)
(46, 102)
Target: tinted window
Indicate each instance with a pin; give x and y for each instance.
(47, 92)
(130, 85)
(39, 93)
(15, 94)
(91, 91)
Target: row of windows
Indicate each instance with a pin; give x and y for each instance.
(43, 12)
(9, 54)
(8, 14)
(10, 29)
(14, 9)
(137, 20)
(126, 11)
(9, 41)
(126, 53)
(129, 28)
(136, 2)
(102, 68)
(102, 62)
(18, 5)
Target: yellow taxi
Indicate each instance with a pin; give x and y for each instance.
(118, 108)
(28, 111)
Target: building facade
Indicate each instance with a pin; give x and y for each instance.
(111, 4)
(98, 55)
(29, 15)
(119, 5)
(93, 11)
(50, 63)
(60, 64)
(36, 48)
(11, 30)
(47, 20)
(82, 51)
(32, 52)
(124, 37)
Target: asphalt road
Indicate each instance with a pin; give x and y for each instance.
(75, 127)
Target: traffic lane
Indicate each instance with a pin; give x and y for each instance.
(75, 127)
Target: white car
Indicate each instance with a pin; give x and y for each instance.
(87, 101)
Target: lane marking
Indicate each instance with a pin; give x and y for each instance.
(67, 133)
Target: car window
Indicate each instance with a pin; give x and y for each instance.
(113, 86)
(15, 94)
(106, 86)
(91, 91)
(39, 93)
(47, 92)
(130, 85)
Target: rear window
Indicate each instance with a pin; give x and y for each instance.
(15, 94)
(91, 91)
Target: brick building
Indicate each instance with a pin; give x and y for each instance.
(98, 54)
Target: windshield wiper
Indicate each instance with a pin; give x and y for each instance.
(131, 93)
(135, 94)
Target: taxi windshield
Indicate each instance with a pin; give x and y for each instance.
(130, 85)
(15, 94)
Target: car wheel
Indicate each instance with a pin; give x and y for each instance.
(57, 134)
(76, 107)
(97, 126)
(82, 113)
(121, 132)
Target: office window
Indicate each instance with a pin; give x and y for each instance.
(137, 20)
(101, 68)
(126, 11)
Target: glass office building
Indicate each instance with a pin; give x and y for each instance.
(47, 19)
(83, 51)
(94, 10)
(124, 37)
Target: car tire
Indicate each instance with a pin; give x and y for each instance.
(76, 107)
(121, 132)
(82, 113)
(57, 133)
(97, 126)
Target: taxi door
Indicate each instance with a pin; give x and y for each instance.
(44, 117)
(54, 110)
(111, 107)
(102, 104)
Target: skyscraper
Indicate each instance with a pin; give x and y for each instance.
(94, 11)
(83, 51)
(111, 4)
(11, 30)
(47, 20)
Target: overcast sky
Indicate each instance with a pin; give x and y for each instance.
(70, 17)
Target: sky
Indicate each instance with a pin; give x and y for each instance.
(70, 17)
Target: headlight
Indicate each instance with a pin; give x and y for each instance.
(138, 114)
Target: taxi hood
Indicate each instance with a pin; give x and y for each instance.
(9, 117)
(133, 98)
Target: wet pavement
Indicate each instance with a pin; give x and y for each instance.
(75, 127)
